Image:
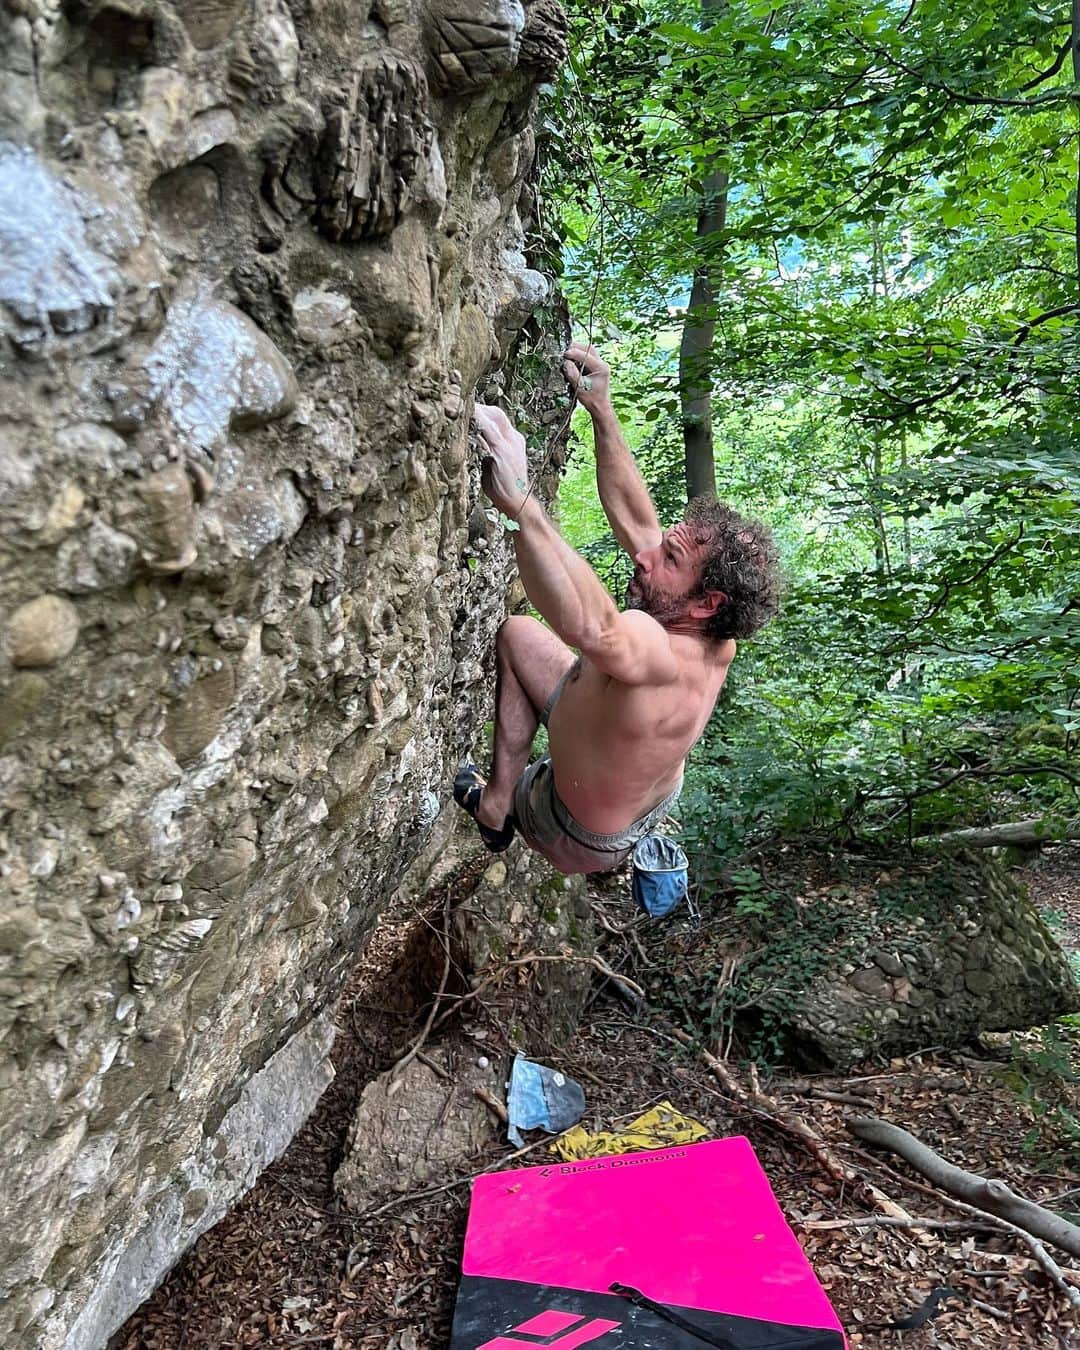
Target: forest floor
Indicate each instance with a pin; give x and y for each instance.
(288, 1267)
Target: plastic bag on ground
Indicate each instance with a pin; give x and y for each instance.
(541, 1099)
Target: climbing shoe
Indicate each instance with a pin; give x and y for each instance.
(468, 786)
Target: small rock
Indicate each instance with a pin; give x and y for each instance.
(42, 632)
(98, 559)
(324, 318)
(496, 874)
(43, 860)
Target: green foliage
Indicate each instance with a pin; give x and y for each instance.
(894, 381)
(1041, 1070)
(743, 980)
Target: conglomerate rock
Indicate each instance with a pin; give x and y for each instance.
(923, 953)
(254, 259)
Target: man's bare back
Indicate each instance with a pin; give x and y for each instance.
(618, 749)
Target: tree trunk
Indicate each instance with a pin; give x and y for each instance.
(695, 349)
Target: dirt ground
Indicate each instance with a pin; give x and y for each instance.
(287, 1267)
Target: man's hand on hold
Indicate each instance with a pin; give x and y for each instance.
(588, 376)
(505, 474)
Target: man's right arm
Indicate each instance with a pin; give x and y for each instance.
(623, 493)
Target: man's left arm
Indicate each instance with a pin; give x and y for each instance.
(559, 582)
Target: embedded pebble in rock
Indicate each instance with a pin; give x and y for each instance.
(525, 292)
(209, 22)
(192, 722)
(213, 370)
(165, 527)
(324, 318)
(473, 44)
(98, 559)
(180, 117)
(42, 632)
(274, 44)
(187, 200)
(20, 698)
(63, 513)
(52, 281)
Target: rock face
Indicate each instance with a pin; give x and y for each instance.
(254, 259)
(935, 954)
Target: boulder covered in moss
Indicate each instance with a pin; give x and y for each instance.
(844, 958)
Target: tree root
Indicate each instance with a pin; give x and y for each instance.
(879, 1131)
(989, 1195)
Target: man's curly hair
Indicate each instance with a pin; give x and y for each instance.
(741, 561)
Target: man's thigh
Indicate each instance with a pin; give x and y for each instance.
(538, 658)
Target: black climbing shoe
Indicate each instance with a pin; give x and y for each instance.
(468, 785)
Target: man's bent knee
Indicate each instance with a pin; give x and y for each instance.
(515, 630)
(536, 657)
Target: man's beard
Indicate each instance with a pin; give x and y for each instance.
(665, 609)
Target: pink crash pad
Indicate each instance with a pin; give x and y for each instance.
(695, 1231)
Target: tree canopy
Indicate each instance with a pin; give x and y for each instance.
(891, 365)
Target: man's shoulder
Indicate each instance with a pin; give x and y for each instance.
(638, 651)
(638, 619)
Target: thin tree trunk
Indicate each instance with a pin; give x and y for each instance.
(1074, 11)
(699, 326)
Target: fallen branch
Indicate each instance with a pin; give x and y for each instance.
(1050, 1267)
(999, 1313)
(1057, 1274)
(1022, 832)
(887, 1221)
(805, 1089)
(494, 1106)
(433, 1064)
(809, 1137)
(992, 1196)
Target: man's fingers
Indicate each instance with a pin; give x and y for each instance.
(586, 357)
(492, 415)
(492, 423)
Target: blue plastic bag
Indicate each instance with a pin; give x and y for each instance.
(541, 1098)
(661, 874)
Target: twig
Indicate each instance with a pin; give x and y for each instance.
(805, 1089)
(990, 1310)
(407, 1294)
(809, 1137)
(887, 1220)
(495, 1106)
(433, 1064)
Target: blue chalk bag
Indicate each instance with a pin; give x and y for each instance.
(660, 876)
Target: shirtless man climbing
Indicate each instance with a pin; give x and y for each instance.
(623, 715)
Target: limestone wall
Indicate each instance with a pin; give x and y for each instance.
(254, 258)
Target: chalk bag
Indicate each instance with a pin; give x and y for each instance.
(661, 874)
